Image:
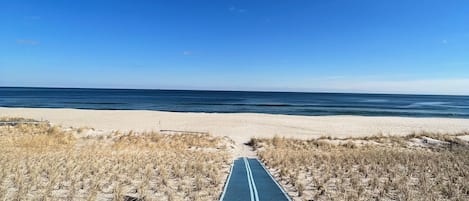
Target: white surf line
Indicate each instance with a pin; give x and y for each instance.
(248, 168)
(249, 179)
(227, 182)
(283, 191)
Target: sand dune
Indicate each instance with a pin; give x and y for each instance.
(240, 126)
(303, 167)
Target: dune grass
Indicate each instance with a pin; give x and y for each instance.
(43, 162)
(370, 168)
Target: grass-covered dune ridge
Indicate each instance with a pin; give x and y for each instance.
(423, 166)
(44, 162)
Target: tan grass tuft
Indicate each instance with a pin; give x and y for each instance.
(370, 168)
(43, 162)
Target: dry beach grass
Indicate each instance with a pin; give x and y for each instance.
(44, 162)
(421, 166)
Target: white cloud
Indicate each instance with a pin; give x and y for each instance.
(187, 53)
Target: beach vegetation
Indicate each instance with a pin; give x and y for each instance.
(419, 166)
(46, 162)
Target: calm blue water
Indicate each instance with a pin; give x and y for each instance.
(233, 101)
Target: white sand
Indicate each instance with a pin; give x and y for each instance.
(239, 127)
(242, 126)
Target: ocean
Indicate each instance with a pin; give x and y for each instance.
(289, 103)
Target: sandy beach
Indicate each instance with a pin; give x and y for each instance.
(289, 160)
(240, 126)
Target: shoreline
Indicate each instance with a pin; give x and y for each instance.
(241, 126)
(240, 113)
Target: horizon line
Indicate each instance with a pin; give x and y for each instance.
(229, 90)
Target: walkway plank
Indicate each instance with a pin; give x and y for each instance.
(250, 181)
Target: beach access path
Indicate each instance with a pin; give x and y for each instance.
(249, 180)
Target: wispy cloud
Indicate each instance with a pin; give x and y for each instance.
(457, 63)
(237, 10)
(32, 17)
(372, 84)
(187, 53)
(27, 42)
(419, 86)
(444, 41)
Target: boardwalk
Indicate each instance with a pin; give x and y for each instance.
(250, 181)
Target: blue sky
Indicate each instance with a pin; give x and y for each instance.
(386, 46)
